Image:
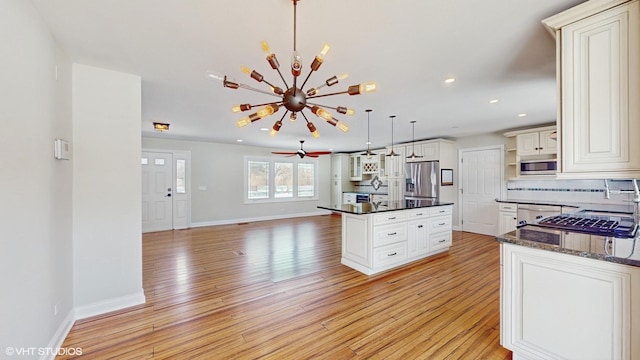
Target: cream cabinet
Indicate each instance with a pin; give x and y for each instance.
(355, 167)
(507, 220)
(536, 143)
(372, 243)
(598, 46)
(339, 178)
(560, 306)
(395, 164)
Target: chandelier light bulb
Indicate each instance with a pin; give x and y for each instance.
(243, 122)
(293, 117)
(313, 130)
(241, 107)
(267, 110)
(324, 51)
(342, 126)
(276, 127)
(265, 47)
(345, 111)
(296, 63)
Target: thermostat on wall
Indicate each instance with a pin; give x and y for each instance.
(61, 150)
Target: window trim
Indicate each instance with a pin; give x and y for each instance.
(272, 160)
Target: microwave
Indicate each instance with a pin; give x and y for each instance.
(539, 167)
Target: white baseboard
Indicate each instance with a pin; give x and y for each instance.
(109, 305)
(261, 218)
(60, 335)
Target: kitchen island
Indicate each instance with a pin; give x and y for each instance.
(569, 295)
(378, 236)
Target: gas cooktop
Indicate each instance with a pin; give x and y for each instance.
(616, 226)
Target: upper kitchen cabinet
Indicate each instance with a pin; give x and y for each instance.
(395, 164)
(427, 150)
(355, 167)
(598, 50)
(537, 143)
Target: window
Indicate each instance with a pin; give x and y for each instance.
(181, 176)
(275, 179)
(258, 180)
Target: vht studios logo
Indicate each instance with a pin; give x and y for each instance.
(41, 351)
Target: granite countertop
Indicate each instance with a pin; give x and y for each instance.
(383, 206)
(617, 250)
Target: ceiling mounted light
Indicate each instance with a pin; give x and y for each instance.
(413, 151)
(368, 153)
(392, 153)
(162, 127)
(294, 99)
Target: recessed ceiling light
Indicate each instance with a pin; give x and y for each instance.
(522, 115)
(264, 129)
(493, 101)
(449, 80)
(239, 140)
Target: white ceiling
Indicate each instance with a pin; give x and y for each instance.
(496, 49)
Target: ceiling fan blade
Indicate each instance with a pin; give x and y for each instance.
(318, 152)
(312, 155)
(284, 153)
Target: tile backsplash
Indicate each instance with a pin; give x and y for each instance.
(573, 191)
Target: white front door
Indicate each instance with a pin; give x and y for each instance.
(482, 173)
(157, 191)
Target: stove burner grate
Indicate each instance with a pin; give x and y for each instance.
(601, 225)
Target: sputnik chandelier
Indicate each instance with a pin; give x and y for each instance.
(294, 99)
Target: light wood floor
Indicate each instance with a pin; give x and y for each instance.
(277, 290)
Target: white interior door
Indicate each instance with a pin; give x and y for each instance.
(481, 178)
(157, 191)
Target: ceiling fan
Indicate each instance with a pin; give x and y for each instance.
(302, 153)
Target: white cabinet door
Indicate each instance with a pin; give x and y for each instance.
(559, 306)
(418, 237)
(355, 167)
(414, 149)
(528, 144)
(546, 143)
(395, 189)
(600, 81)
(395, 164)
(507, 222)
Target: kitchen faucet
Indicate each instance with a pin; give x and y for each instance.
(636, 196)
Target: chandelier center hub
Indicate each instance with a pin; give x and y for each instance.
(294, 99)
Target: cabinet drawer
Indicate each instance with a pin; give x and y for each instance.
(440, 210)
(508, 207)
(440, 240)
(440, 223)
(389, 217)
(417, 213)
(390, 254)
(388, 234)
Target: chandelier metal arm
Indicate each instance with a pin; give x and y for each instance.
(306, 79)
(330, 94)
(286, 86)
(248, 87)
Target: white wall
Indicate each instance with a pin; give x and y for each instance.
(36, 240)
(107, 231)
(220, 168)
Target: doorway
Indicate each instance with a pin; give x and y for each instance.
(165, 190)
(482, 180)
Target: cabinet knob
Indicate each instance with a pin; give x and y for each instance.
(392, 254)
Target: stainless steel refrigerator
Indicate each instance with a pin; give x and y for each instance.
(422, 180)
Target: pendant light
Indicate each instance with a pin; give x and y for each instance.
(392, 153)
(413, 151)
(368, 152)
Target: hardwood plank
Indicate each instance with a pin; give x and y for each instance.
(276, 290)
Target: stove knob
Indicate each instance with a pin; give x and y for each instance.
(522, 222)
